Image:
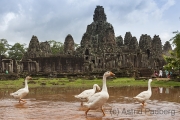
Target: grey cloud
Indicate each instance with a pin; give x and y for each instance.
(54, 19)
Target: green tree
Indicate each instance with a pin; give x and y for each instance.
(176, 42)
(56, 47)
(173, 61)
(17, 51)
(76, 45)
(4, 46)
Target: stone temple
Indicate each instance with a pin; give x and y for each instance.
(99, 50)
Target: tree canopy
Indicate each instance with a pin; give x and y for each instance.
(56, 47)
(173, 61)
(176, 42)
(17, 51)
(4, 46)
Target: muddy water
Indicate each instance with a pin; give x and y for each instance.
(60, 104)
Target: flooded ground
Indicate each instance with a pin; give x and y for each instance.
(60, 104)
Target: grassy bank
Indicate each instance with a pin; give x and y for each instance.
(65, 82)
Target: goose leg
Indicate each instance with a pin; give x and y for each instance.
(143, 103)
(21, 100)
(81, 103)
(102, 111)
(87, 111)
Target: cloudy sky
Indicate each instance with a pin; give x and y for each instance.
(55, 19)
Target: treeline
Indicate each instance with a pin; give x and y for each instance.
(17, 50)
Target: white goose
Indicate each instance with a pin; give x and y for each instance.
(21, 93)
(98, 99)
(145, 95)
(87, 93)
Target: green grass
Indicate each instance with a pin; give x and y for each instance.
(143, 83)
(75, 83)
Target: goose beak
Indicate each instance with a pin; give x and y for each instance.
(112, 74)
(29, 78)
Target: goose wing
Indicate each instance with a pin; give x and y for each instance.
(85, 94)
(143, 95)
(19, 92)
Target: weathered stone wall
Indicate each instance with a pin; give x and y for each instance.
(60, 64)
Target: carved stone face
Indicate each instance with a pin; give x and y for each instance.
(69, 44)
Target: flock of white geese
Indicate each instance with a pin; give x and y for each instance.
(93, 100)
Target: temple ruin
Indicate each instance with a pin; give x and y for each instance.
(99, 50)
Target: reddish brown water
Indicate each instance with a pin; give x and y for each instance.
(60, 104)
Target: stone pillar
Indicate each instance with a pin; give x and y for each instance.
(18, 68)
(2, 66)
(22, 67)
(28, 67)
(32, 66)
(9, 68)
(12, 66)
(37, 67)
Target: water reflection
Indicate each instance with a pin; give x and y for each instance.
(122, 94)
(20, 105)
(126, 93)
(60, 103)
(160, 89)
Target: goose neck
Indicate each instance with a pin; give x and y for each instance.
(94, 87)
(149, 86)
(104, 88)
(26, 84)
